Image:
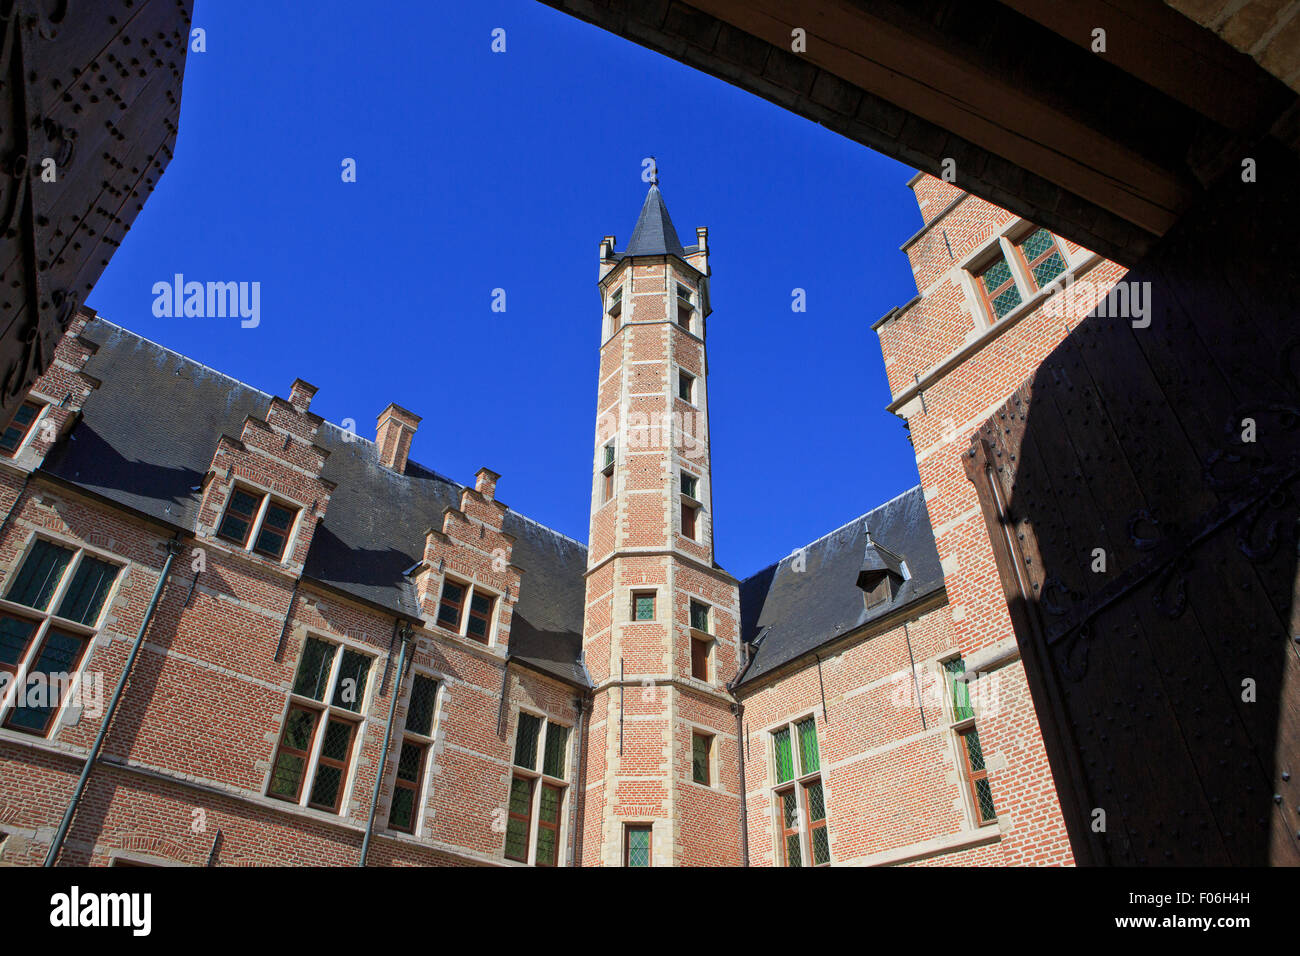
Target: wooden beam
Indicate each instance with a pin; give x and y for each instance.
(921, 71)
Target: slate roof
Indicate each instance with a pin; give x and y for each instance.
(146, 438)
(654, 234)
(786, 613)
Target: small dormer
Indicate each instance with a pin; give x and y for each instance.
(882, 575)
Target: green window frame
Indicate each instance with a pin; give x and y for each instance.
(959, 690)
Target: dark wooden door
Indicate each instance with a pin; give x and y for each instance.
(1141, 497)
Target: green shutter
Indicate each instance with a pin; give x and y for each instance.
(784, 757)
(808, 756)
(961, 705)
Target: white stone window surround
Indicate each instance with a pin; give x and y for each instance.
(1004, 243)
(325, 708)
(538, 776)
(269, 497)
(428, 741)
(470, 584)
(48, 618)
(797, 781)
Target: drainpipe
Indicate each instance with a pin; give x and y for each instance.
(580, 785)
(173, 549)
(383, 756)
(739, 710)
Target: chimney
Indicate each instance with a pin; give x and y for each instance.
(485, 483)
(393, 437)
(300, 394)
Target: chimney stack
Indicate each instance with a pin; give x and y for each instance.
(300, 394)
(393, 437)
(485, 483)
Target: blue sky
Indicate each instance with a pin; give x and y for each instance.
(479, 170)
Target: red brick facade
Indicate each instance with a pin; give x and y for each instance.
(660, 742)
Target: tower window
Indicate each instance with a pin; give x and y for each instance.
(21, 424)
(1042, 256)
(690, 486)
(689, 523)
(686, 387)
(702, 758)
(643, 605)
(607, 474)
(700, 652)
(637, 844)
(684, 308)
(616, 303)
(700, 616)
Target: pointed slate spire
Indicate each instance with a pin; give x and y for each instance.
(654, 234)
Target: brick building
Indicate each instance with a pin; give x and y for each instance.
(338, 655)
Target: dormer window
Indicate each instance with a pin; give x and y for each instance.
(879, 588)
(256, 517)
(19, 428)
(882, 575)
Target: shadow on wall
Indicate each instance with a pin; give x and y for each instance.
(1141, 495)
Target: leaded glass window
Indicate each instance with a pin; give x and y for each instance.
(519, 815)
(700, 616)
(557, 748)
(800, 799)
(643, 606)
(350, 689)
(1042, 256)
(526, 741)
(701, 749)
(419, 714)
(40, 574)
(314, 669)
(999, 288)
(47, 678)
(637, 845)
